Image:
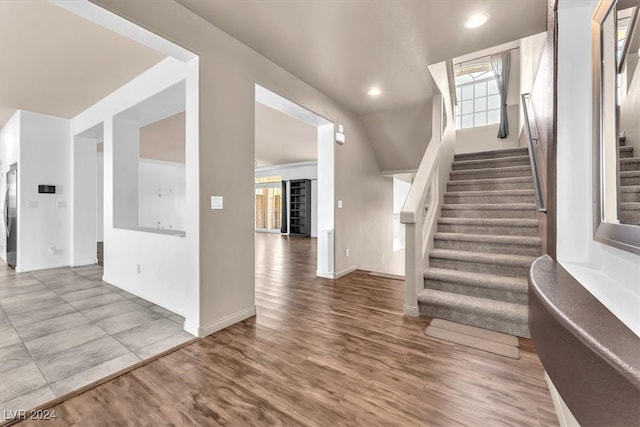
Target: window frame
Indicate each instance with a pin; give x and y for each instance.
(458, 109)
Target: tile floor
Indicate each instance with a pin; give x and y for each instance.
(64, 328)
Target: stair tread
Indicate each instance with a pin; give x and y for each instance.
(491, 160)
(489, 238)
(491, 152)
(517, 284)
(514, 192)
(630, 206)
(629, 174)
(518, 222)
(483, 257)
(630, 188)
(489, 206)
(625, 148)
(508, 180)
(489, 307)
(630, 160)
(502, 168)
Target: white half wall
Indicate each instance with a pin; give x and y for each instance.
(163, 269)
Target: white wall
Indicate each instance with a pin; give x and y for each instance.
(400, 136)
(610, 274)
(169, 265)
(530, 55)
(485, 138)
(162, 194)
(9, 154)
(44, 159)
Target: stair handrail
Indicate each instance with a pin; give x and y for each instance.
(532, 135)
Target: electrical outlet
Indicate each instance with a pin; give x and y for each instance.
(33, 204)
(346, 252)
(61, 204)
(52, 250)
(138, 269)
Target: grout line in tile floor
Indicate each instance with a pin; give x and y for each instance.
(148, 332)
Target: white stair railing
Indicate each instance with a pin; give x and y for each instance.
(422, 206)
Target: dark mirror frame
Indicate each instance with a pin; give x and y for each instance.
(622, 236)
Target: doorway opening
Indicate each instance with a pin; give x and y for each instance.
(294, 190)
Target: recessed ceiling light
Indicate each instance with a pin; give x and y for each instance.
(477, 20)
(374, 91)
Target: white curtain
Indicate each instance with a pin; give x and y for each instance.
(500, 66)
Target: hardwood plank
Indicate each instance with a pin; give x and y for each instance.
(321, 352)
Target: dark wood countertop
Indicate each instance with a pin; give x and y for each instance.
(592, 358)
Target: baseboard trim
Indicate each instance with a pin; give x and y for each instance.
(324, 275)
(565, 417)
(345, 272)
(41, 267)
(226, 321)
(338, 274)
(84, 263)
(411, 310)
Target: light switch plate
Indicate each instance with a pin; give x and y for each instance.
(61, 204)
(339, 204)
(32, 204)
(216, 202)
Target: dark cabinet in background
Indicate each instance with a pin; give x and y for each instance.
(300, 207)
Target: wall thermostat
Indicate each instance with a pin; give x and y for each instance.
(47, 189)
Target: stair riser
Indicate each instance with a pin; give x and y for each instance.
(476, 291)
(626, 154)
(630, 197)
(631, 166)
(630, 217)
(633, 180)
(488, 156)
(484, 213)
(452, 186)
(491, 174)
(479, 267)
(518, 328)
(495, 248)
(488, 229)
(457, 166)
(498, 199)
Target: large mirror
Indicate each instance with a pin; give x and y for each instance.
(616, 120)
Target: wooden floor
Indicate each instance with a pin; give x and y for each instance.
(323, 353)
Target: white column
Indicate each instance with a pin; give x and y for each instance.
(83, 234)
(126, 151)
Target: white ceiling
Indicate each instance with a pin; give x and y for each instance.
(55, 62)
(344, 47)
(281, 139)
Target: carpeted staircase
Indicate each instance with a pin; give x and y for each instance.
(629, 184)
(487, 239)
